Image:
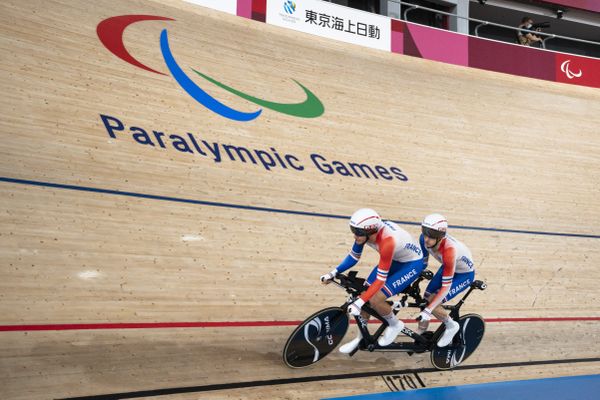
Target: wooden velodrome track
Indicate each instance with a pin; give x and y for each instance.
(95, 229)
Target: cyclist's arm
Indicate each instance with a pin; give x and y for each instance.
(352, 258)
(424, 250)
(386, 252)
(449, 266)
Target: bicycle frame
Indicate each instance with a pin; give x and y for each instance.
(421, 344)
(305, 345)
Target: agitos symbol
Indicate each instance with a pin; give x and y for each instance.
(110, 32)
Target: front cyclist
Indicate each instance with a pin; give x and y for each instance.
(455, 274)
(400, 263)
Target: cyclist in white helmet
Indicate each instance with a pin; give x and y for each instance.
(455, 274)
(400, 263)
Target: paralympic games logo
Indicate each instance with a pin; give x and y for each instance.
(289, 6)
(564, 67)
(110, 32)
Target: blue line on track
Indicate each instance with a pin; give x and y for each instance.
(268, 209)
(586, 387)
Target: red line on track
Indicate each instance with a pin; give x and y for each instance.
(229, 324)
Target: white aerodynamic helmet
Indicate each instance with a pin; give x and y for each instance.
(365, 222)
(434, 226)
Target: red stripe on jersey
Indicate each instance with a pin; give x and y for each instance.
(448, 253)
(386, 251)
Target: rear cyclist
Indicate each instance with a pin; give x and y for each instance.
(400, 263)
(455, 274)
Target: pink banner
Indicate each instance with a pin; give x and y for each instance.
(511, 59)
(453, 48)
(436, 44)
(244, 8)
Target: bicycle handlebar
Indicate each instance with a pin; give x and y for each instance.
(355, 286)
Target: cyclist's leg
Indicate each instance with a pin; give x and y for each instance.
(400, 276)
(400, 272)
(353, 344)
(434, 285)
(378, 301)
(460, 282)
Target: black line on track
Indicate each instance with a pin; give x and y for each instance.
(389, 382)
(273, 382)
(267, 209)
(419, 379)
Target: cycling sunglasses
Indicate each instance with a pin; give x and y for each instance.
(358, 231)
(432, 233)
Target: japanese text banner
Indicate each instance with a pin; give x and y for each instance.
(331, 21)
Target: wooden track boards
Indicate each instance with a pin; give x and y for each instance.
(488, 150)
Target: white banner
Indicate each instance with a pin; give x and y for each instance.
(228, 6)
(331, 21)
